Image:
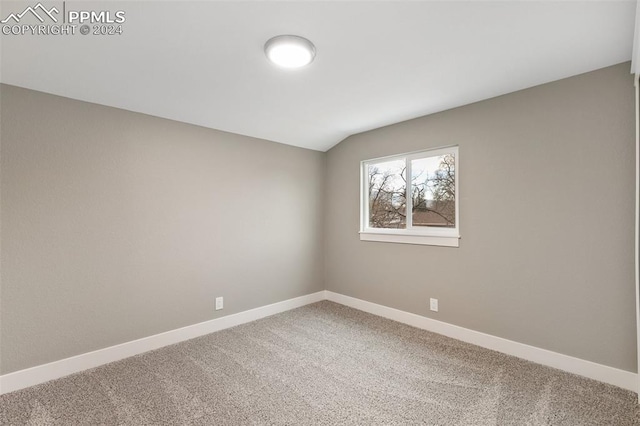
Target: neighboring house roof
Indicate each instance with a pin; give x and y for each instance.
(428, 218)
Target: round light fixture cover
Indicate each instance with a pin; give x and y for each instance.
(290, 51)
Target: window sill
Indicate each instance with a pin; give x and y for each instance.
(428, 240)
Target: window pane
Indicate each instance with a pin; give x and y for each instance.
(387, 194)
(433, 191)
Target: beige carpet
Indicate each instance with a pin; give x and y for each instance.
(323, 364)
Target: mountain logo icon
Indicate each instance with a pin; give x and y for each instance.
(39, 11)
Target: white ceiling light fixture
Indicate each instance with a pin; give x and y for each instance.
(290, 51)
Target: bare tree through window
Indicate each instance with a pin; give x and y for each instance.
(432, 189)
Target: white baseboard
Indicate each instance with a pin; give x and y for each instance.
(54, 370)
(624, 379)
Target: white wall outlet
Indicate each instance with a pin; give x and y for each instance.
(219, 303)
(433, 304)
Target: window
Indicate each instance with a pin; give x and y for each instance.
(411, 198)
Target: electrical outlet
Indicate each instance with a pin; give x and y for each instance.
(219, 303)
(433, 304)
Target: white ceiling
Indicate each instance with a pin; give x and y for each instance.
(377, 63)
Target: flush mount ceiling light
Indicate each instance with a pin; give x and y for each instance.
(289, 51)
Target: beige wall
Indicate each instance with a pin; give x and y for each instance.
(117, 225)
(546, 217)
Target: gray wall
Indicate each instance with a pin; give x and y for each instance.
(117, 225)
(546, 218)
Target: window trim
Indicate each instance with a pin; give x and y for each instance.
(447, 237)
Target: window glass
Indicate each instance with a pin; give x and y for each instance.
(388, 194)
(433, 191)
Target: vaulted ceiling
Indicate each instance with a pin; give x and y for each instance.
(377, 63)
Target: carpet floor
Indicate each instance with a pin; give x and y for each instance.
(322, 364)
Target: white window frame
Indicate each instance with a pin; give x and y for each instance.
(425, 235)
